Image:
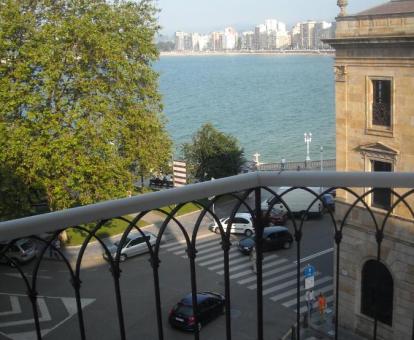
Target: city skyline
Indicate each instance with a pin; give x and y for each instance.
(201, 16)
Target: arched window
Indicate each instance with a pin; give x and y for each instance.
(377, 292)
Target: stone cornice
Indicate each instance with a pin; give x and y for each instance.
(374, 16)
(400, 39)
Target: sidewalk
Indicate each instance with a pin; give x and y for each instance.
(93, 254)
(323, 328)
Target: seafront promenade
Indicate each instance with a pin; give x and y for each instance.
(247, 52)
(327, 165)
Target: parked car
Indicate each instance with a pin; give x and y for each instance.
(210, 306)
(276, 216)
(273, 238)
(135, 244)
(242, 224)
(22, 251)
(329, 202)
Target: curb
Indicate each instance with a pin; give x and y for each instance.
(116, 235)
(143, 227)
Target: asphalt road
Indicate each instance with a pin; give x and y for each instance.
(58, 310)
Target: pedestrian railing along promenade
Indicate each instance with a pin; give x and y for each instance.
(247, 191)
(327, 165)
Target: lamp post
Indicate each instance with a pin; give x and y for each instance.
(308, 140)
(256, 160)
(321, 158)
(212, 198)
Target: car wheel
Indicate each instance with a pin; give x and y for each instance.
(287, 245)
(248, 232)
(217, 231)
(122, 258)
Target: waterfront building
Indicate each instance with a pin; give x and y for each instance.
(271, 25)
(179, 40)
(247, 42)
(281, 26)
(374, 70)
(230, 38)
(322, 30)
(195, 39)
(203, 42)
(260, 37)
(307, 35)
(283, 40)
(216, 41)
(295, 37)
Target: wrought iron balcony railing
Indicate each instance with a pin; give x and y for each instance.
(247, 191)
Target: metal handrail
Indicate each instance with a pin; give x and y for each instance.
(105, 210)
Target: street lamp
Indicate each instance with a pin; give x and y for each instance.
(321, 158)
(282, 167)
(256, 160)
(212, 197)
(308, 139)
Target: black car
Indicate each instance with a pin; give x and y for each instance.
(273, 238)
(210, 306)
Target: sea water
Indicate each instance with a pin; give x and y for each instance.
(267, 102)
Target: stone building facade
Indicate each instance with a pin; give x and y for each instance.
(374, 70)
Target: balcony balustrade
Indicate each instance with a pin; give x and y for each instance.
(247, 192)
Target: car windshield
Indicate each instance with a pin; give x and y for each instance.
(26, 245)
(125, 243)
(184, 309)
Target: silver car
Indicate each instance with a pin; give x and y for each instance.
(135, 244)
(20, 252)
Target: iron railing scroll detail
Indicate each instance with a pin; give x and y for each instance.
(243, 193)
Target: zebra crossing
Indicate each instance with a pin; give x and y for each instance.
(279, 274)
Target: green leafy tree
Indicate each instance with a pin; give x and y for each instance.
(212, 153)
(80, 111)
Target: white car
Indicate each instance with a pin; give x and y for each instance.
(135, 244)
(242, 224)
(19, 252)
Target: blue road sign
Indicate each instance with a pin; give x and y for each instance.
(309, 271)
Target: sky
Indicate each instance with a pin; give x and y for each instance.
(207, 15)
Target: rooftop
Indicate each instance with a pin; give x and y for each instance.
(392, 7)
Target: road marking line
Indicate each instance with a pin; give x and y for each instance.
(244, 273)
(293, 291)
(28, 275)
(310, 257)
(268, 273)
(281, 286)
(71, 307)
(178, 244)
(219, 257)
(231, 262)
(208, 245)
(44, 315)
(277, 278)
(253, 277)
(15, 306)
(209, 255)
(267, 265)
(328, 288)
(242, 258)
